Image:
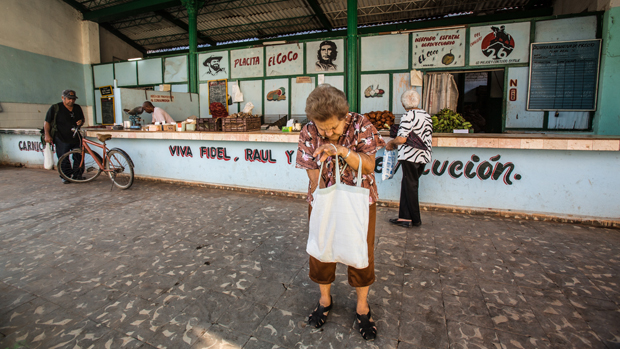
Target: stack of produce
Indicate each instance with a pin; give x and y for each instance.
(218, 110)
(243, 115)
(446, 121)
(381, 119)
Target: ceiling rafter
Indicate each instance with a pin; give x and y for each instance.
(221, 6)
(179, 23)
(227, 30)
(112, 13)
(316, 7)
(76, 5)
(399, 7)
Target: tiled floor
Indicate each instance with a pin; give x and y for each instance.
(160, 265)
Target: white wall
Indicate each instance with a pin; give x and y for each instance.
(564, 7)
(112, 48)
(51, 28)
(46, 48)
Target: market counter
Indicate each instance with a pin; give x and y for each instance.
(447, 140)
(529, 175)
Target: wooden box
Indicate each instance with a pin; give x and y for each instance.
(154, 127)
(240, 124)
(169, 128)
(209, 124)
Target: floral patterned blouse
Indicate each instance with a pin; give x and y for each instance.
(359, 135)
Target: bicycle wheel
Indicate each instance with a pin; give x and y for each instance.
(121, 171)
(68, 166)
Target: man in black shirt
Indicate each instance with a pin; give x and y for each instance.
(67, 115)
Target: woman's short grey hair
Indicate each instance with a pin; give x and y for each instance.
(410, 99)
(325, 102)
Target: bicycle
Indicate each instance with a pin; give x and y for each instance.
(84, 165)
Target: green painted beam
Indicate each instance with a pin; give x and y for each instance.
(179, 23)
(192, 12)
(316, 7)
(128, 9)
(122, 36)
(352, 67)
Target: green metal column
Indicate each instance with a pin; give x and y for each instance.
(352, 68)
(192, 13)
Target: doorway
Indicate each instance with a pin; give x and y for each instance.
(481, 97)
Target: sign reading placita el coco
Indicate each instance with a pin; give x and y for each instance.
(439, 48)
(285, 60)
(499, 44)
(247, 63)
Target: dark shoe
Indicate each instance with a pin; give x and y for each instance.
(64, 181)
(319, 315)
(368, 330)
(79, 178)
(395, 221)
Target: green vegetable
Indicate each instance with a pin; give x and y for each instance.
(446, 121)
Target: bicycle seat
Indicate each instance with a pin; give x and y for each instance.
(103, 138)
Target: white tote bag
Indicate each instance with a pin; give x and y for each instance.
(339, 223)
(48, 157)
(390, 160)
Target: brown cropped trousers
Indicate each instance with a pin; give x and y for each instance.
(325, 273)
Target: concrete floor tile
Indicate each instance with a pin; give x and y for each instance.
(463, 336)
(470, 311)
(425, 330)
(521, 321)
(513, 341)
(218, 337)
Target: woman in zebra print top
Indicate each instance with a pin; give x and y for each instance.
(412, 159)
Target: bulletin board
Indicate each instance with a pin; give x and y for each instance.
(218, 92)
(107, 111)
(564, 75)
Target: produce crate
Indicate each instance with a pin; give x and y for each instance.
(240, 124)
(209, 124)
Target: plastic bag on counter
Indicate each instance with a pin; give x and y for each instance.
(390, 164)
(248, 108)
(237, 96)
(48, 157)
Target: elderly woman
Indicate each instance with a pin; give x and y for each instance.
(335, 134)
(412, 159)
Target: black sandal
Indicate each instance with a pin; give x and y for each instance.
(319, 315)
(368, 330)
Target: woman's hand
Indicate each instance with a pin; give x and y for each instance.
(391, 145)
(394, 143)
(327, 150)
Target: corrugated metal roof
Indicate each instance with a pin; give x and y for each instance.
(235, 20)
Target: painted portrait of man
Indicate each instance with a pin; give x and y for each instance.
(213, 65)
(326, 56)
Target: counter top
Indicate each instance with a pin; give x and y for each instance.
(548, 141)
(470, 140)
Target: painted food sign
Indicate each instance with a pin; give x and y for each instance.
(247, 63)
(285, 60)
(499, 44)
(439, 48)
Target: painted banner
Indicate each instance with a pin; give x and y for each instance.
(175, 69)
(285, 60)
(325, 56)
(499, 44)
(438, 48)
(385, 52)
(247, 63)
(213, 66)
